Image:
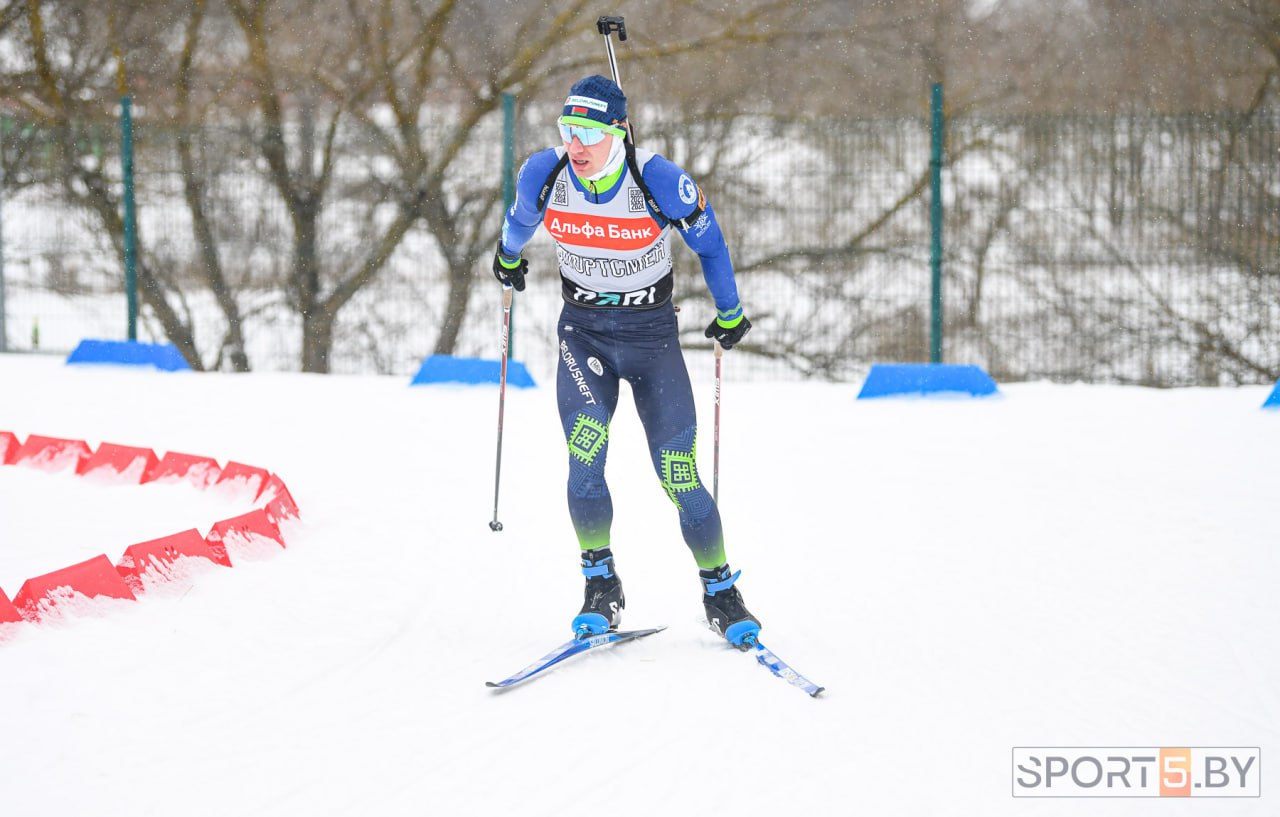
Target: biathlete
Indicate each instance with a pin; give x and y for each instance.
(611, 209)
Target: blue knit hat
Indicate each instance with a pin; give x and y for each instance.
(596, 98)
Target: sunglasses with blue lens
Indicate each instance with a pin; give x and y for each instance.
(587, 136)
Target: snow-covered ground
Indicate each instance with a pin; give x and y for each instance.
(1063, 566)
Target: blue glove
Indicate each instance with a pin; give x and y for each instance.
(510, 271)
(728, 332)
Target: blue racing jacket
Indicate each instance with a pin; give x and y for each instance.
(613, 249)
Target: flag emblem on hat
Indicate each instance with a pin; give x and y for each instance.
(579, 112)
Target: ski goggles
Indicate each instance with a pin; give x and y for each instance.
(588, 134)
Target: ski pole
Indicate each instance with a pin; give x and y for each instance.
(507, 296)
(606, 26)
(715, 465)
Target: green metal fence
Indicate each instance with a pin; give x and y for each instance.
(1121, 249)
(1129, 249)
(1118, 249)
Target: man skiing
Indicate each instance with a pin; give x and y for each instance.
(611, 209)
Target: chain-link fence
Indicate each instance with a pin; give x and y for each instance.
(1126, 249)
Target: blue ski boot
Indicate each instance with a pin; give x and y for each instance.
(726, 612)
(603, 600)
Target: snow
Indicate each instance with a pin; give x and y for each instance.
(1061, 566)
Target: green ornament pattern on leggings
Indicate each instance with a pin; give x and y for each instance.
(589, 435)
(679, 473)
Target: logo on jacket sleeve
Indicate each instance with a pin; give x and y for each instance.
(688, 190)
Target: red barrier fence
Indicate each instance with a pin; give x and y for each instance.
(154, 559)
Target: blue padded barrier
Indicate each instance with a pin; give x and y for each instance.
(163, 356)
(450, 369)
(1273, 402)
(926, 379)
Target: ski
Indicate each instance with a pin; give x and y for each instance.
(570, 649)
(782, 669)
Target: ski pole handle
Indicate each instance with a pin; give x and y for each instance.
(607, 25)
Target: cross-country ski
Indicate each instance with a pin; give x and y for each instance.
(782, 669)
(569, 649)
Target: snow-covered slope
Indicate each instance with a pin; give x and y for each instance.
(1063, 566)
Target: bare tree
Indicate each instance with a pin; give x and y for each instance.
(388, 72)
(72, 75)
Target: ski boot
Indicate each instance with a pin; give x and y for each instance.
(603, 600)
(726, 613)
